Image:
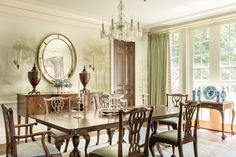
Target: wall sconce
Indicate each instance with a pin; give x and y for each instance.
(19, 48)
(92, 66)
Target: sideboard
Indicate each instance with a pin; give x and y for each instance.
(34, 104)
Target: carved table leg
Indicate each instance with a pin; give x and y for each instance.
(87, 141)
(223, 125)
(232, 122)
(75, 141)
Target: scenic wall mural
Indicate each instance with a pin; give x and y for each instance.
(97, 62)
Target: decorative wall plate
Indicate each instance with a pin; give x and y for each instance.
(209, 92)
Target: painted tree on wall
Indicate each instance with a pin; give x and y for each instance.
(96, 56)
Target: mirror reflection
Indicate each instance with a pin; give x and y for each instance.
(57, 57)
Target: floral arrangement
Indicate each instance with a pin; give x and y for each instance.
(62, 83)
(67, 83)
(58, 83)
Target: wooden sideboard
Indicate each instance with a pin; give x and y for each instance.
(34, 104)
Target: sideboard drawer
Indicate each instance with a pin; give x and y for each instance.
(36, 105)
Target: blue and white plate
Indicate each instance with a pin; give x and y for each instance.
(209, 92)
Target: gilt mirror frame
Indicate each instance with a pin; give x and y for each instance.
(58, 44)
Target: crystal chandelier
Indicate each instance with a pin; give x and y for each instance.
(121, 29)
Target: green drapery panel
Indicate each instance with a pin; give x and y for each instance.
(158, 47)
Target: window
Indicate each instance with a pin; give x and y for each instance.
(228, 62)
(175, 63)
(201, 63)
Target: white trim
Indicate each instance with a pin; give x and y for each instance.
(38, 12)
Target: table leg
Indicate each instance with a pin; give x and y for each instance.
(87, 141)
(223, 125)
(75, 141)
(232, 122)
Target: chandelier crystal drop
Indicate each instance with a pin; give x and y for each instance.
(121, 29)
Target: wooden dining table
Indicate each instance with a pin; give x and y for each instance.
(77, 124)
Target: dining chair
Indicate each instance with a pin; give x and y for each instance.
(184, 134)
(29, 149)
(104, 102)
(134, 120)
(57, 104)
(173, 100)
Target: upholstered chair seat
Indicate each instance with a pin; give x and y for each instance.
(171, 135)
(34, 149)
(112, 151)
(170, 121)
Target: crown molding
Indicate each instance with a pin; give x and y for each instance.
(21, 9)
(216, 12)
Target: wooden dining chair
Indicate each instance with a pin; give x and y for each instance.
(29, 149)
(57, 104)
(173, 100)
(134, 120)
(184, 134)
(103, 101)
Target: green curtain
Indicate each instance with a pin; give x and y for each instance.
(158, 47)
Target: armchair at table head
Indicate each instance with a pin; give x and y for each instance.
(34, 148)
(56, 104)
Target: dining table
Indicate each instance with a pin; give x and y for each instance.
(79, 124)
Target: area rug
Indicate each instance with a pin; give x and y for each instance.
(207, 148)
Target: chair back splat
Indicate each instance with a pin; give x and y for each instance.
(185, 123)
(175, 99)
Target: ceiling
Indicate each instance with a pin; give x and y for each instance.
(150, 13)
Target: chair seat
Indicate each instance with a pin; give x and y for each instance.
(170, 135)
(112, 151)
(169, 121)
(58, 133)
(34, 149)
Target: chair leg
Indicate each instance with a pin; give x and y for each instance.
(98, 136)
(195, 147)
(87, 141)
(110, 134)
(66, 146)
(152, 144)
(49, 139)
(173, 150)
(159, 149)
(58, 144)
(181, 154)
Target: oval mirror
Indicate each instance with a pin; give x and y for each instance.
(57, 58)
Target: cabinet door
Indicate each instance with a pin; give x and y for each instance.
(36, 105)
